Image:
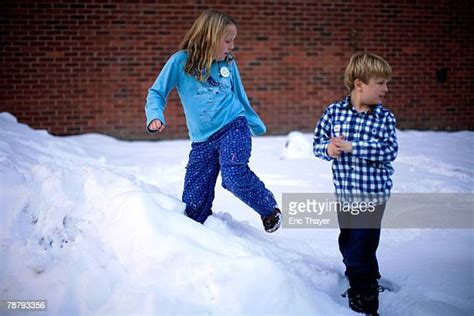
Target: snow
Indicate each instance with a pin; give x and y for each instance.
(95, 226)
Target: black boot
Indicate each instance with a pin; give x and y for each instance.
(272, 222)
(364, 298)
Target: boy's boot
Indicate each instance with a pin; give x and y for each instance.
(273, 221)
(364, 298)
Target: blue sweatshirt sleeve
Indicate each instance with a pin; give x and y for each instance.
(159, 91)
(256, 125)
(322, 136)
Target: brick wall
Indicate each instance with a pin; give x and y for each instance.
(85, 66)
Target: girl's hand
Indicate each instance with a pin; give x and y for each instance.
(156, 125)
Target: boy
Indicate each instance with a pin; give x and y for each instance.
(359, 135)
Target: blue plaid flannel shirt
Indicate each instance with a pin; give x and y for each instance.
(367, 169)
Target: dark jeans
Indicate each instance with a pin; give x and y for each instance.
(358, 242)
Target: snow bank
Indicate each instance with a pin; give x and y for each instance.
(92, 239)
(95, 226)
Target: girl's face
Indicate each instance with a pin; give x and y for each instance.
(226, 43)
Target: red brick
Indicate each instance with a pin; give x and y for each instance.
(95, 59)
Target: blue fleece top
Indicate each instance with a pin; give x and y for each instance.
(208, 106)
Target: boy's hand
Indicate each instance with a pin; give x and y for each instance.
(333, 150)
(156, 125)
(342, 144)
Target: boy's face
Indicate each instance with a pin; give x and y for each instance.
(374, 91)
(226, 44)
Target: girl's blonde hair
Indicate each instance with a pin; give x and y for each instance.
(364, 66)
(202, 42)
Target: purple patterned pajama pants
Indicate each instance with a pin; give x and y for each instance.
(228, 151)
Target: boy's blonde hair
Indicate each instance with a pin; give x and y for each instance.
(202, 42)
(364, 66)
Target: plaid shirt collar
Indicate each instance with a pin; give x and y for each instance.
(374, 109)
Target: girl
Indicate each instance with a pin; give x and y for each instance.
(219, 118)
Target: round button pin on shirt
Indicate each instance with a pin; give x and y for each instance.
(224, 71)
